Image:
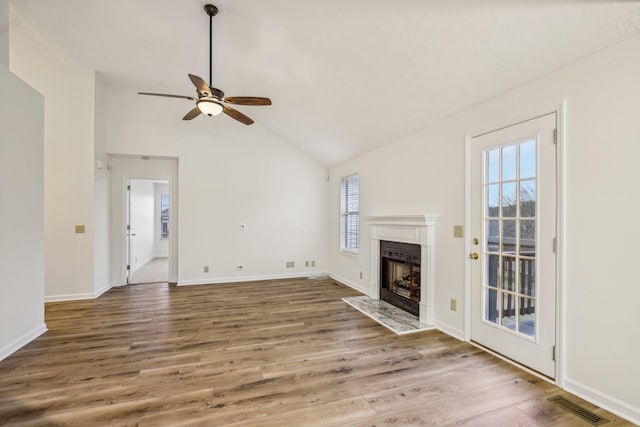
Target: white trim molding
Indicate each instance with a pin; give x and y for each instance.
(22, 341)
(414, 229)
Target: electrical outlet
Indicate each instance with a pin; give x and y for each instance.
(453, 304)
(79, 229)
(458, 231)
(239, 267)
(306, 263)
(313, 263)
(206, 268)
(293, 264)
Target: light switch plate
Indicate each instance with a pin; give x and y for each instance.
(79, 229)
(458, 231)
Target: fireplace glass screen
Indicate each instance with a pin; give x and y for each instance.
(400, 275)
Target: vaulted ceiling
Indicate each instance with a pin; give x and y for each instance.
(345, 76)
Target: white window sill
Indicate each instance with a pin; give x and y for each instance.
(349, 252)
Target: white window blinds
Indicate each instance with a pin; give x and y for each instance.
(350, 213)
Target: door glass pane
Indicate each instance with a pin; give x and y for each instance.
(509, 273)
(527, 317)
(493, 200)
(509, 236)
(528, 198)
(509, 162)
(493, 235)
(493, 165)
(528, 237)
(491, 305)
(509, 199)
(509, 311)
(528, 159)
(528, 277)
(492, 270)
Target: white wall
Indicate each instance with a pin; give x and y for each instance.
(142, 220)
(21, 213)
(161, 246)
(424, 173)
(230, 174)
(102, 198)
(69, 133)
(123, 169)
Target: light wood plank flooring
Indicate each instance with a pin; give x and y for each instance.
(278, 353)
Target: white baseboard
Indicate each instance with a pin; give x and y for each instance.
(623, 409)
(22, 341)
(449, 330)
(350, 284)
(103, 289)
(218, 280)
(69, 297)
(78, 297)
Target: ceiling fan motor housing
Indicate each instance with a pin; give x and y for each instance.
(210, 9)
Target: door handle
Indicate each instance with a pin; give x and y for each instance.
(133, 234)
(474, 255)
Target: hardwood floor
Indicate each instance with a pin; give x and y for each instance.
(278, 353)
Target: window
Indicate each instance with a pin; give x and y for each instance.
(164, 216)
(350, 214)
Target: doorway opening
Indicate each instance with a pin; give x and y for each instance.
(148, 231)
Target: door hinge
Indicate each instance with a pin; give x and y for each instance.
(128, 267)
(128, 227)
(553, 353)
(555, 245)
(128, 188)
(555, 136)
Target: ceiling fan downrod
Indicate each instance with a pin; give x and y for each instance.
(212, 11)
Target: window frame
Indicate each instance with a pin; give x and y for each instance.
(163, 235)
(347, 234)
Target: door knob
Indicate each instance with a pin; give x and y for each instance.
(473, 255)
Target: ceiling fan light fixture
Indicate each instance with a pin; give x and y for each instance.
(209, 107)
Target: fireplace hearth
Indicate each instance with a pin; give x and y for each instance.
(400, 275)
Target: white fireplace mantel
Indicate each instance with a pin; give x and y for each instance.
(416, 229)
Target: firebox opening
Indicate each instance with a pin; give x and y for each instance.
(400, 275)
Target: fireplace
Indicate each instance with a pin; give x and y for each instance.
(400, 275)
(412, 273)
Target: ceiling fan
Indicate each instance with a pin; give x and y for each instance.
(209, 100)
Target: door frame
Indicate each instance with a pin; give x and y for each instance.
(560, 111)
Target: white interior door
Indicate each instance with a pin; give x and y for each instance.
(513, 230)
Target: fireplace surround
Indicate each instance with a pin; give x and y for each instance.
(413, 229)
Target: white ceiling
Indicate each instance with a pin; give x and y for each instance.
(345, 76)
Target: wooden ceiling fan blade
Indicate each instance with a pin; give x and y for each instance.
(247, 100)
(192, 114)
(237, 115)
(167, 95)
(200, 84)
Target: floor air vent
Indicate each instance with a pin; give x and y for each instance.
(585, 414)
